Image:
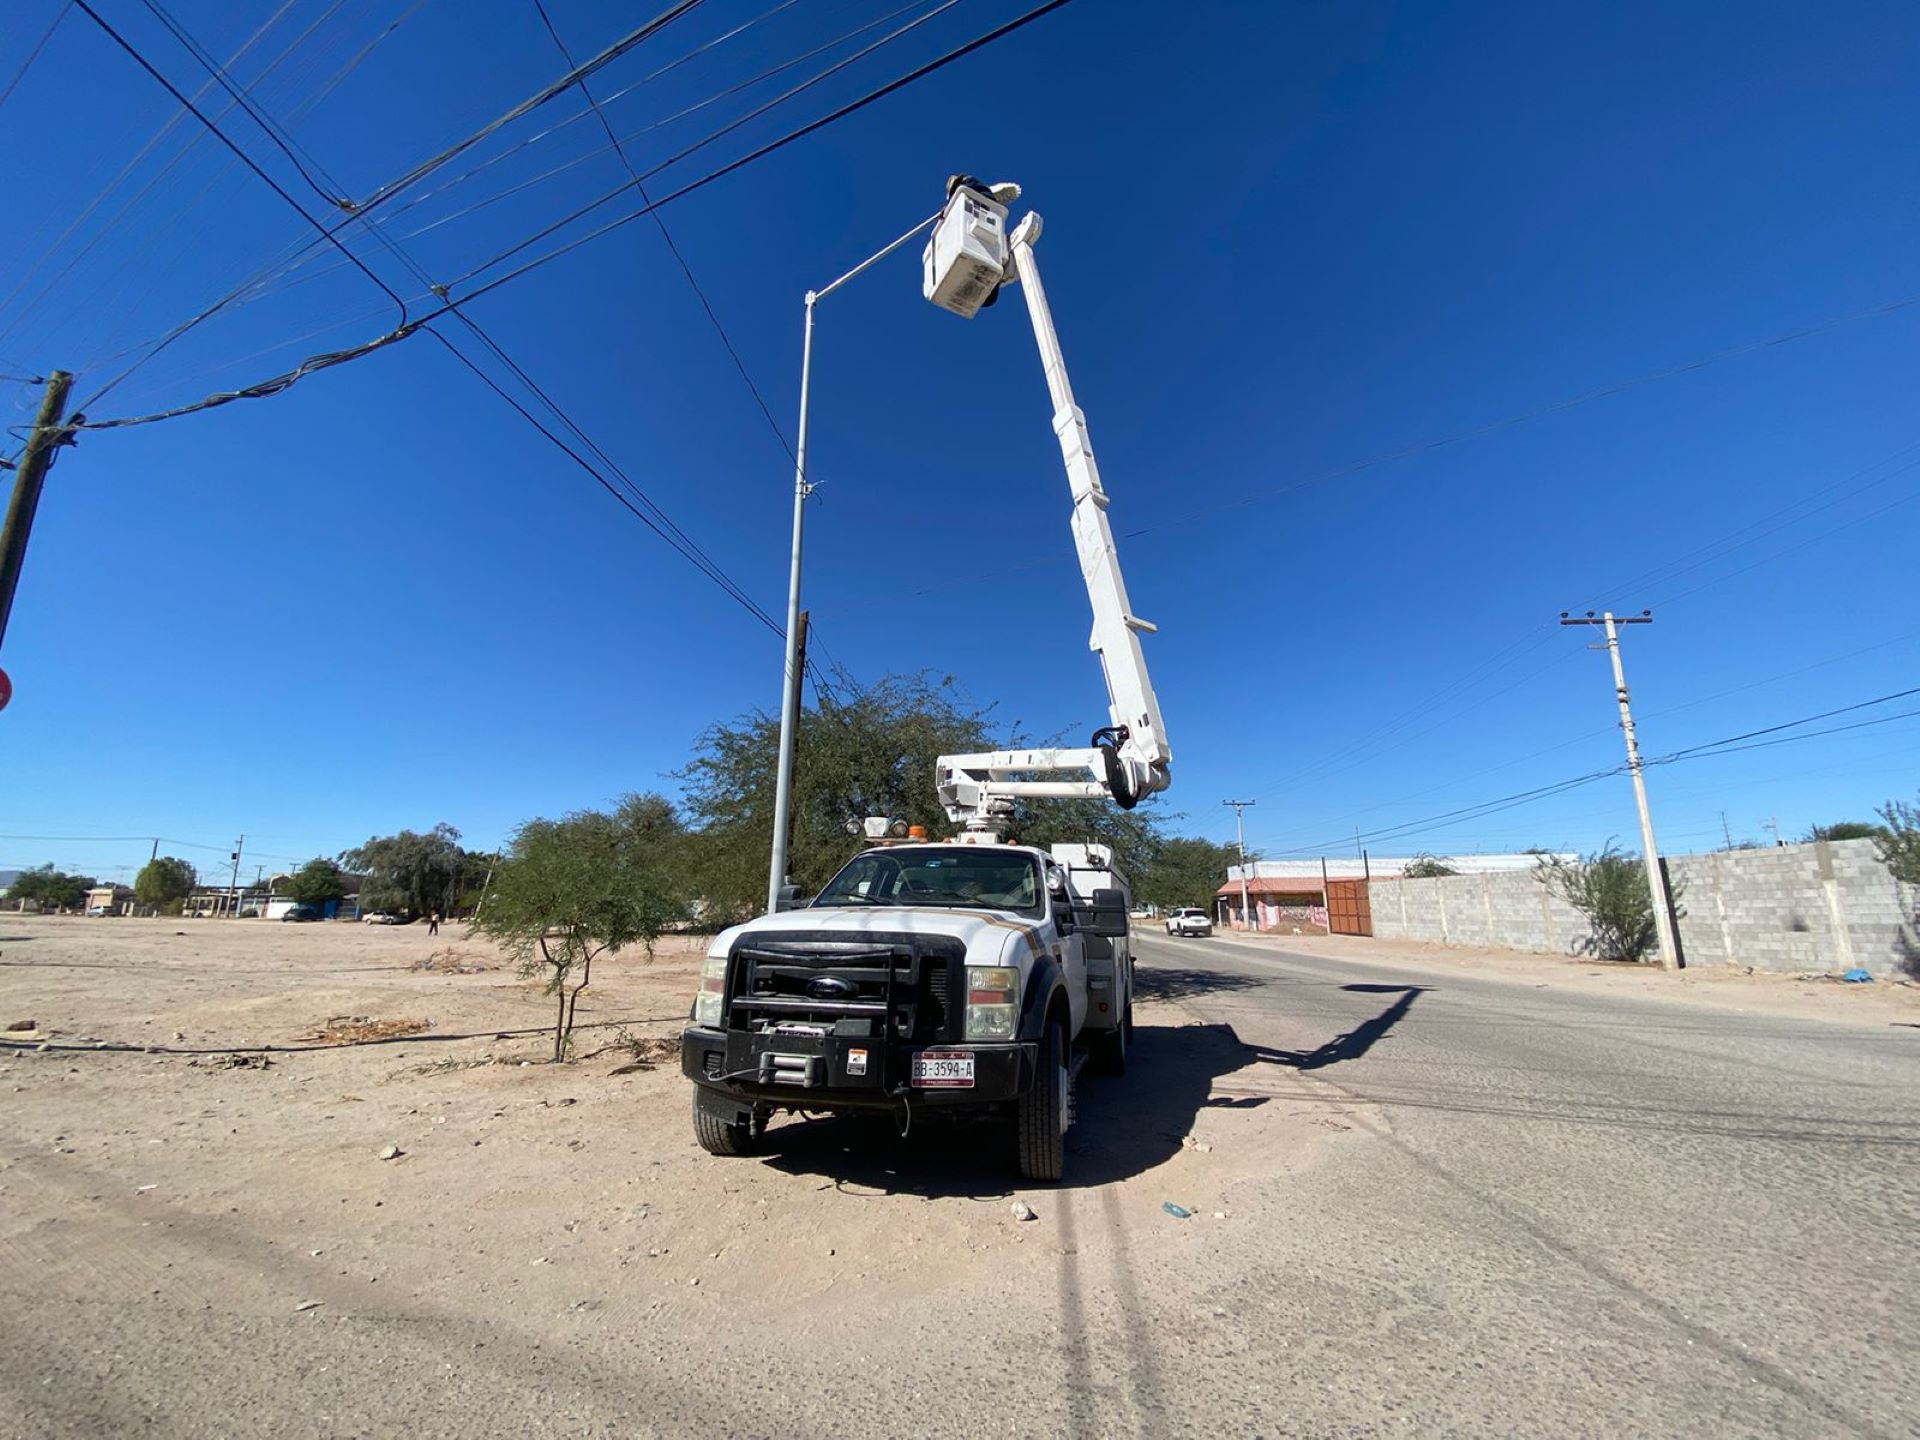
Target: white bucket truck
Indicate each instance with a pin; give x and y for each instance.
(970, 975)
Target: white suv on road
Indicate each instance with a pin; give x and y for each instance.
(1189, 922)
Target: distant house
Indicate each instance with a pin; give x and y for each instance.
(211, 901)
(110, 900)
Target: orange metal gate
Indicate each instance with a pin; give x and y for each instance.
(1349, 911)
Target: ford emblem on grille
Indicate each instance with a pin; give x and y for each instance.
(831, 987)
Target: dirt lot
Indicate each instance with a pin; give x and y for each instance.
(188, 1176)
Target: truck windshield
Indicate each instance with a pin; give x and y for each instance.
(959, 876)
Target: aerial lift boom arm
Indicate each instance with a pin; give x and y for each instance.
(1128, 758)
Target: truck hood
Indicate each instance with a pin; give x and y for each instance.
(985, 933)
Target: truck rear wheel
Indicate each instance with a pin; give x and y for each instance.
(720, 1131)
(1040, 1126)
(1110, 1046)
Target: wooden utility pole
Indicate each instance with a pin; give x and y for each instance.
(1656, 877)
(485, 885)
(30, 475)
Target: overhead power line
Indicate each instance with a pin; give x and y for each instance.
(657, 520)
(85, 213)
(258, 287)
(1728, 745)
(329, 235)
(313, 364)
(148, 838)
(1353, 753)
(142, 255)
(667, 236)
(1693, 750)
(582, 211)
(34, 53)
(533, 102)
(240, 154)
(663, 527)
(282, 142)
(1651, 715)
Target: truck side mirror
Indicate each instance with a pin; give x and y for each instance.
(1109, 913)
(789, 899)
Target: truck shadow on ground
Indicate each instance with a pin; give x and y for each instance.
(1351, 1044)
(1175, 982)
(1124, 1125)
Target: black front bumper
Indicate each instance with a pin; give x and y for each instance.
(839, 1072)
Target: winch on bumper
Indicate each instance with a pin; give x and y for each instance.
(819, 1022)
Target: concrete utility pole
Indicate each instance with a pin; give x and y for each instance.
(1240, 827)
(233, 882)
(29, 476)
(1656, 878)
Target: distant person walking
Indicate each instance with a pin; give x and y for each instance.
(433, 923)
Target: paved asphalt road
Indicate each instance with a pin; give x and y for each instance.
(1580, 1214)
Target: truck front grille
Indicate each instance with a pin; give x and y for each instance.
(933, 984)
(873, 989)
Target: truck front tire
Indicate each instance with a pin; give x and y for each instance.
(1040, 1125)
(720, 1131)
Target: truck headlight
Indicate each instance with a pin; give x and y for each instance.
(713, 989)
(993, 1001)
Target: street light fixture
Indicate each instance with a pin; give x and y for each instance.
(1003, 194)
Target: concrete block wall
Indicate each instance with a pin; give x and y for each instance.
(1793, 908)
(1508, 910)
(1821, 907)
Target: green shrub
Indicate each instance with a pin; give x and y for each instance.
(1610, 890)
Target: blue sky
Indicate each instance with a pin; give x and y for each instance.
(1291, 248)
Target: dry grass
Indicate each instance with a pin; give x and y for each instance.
(450, 1066)
(359, 1029)
(642, 1054)
(453, 961)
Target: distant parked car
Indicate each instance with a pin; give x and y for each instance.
(303, 912)
(98, 910)
(382, 917)
(1189, 922)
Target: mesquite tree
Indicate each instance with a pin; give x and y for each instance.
(568, 891)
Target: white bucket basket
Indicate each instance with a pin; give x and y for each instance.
(966, 257)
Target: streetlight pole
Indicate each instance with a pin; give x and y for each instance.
(790, 686)
(790, 683)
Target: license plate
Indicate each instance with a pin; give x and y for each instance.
(943, 1070)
